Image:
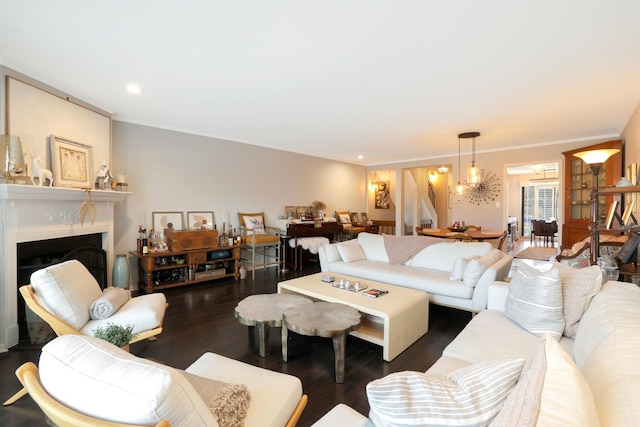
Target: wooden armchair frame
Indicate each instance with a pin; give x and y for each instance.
(252, 243)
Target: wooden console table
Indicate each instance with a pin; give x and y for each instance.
(168, 269)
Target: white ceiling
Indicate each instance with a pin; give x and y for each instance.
(388, 79)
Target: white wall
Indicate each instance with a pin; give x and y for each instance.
(173, 171)
(631, 137)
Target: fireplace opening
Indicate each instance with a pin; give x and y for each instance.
(39, 254)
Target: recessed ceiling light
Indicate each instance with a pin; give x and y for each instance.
(360, 156)
(133, 88)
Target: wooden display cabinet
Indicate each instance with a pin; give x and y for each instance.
(168, 269)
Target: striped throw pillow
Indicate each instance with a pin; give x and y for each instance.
(535, 301)
(470, 396)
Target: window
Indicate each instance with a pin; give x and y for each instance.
(538, 202)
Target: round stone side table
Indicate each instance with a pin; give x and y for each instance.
(264, 311)
(322, 319)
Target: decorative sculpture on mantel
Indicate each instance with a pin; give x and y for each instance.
(42, 174)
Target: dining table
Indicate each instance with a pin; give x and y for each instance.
(476, 235)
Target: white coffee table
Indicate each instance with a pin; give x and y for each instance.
(394, 321)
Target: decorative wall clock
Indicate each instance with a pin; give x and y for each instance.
(486, 191)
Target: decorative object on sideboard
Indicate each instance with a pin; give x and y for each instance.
(12, 158)
(200, 220)
(318, 208)
(72, 163)
(41, 173)
(167, 220)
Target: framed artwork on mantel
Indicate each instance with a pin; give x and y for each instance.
(72, 163)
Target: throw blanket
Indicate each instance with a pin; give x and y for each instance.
(109, 302)
(401, 249)
(310, 243)
(228, 403)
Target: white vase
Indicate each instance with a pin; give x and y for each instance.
(121, 272)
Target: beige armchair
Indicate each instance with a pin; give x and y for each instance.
(62, 295)
(260, 239)
(85, 381)
(350, 229)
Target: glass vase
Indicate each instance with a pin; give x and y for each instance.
(121, 272)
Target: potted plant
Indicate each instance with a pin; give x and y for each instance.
(116, 334)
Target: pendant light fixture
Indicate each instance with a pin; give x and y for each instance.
(473, 173)
(459, 186)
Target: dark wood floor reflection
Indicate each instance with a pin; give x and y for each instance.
(200, 318)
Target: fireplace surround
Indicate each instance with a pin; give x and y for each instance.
(30, 213)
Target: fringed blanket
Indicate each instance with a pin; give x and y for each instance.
(401, 249)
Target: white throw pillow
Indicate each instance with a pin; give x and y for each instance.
(67, 290)
(344, 218)
(470, 396)
(255, 223)
(552, 392)
(476, 267)
(75, 369)
(459, 266)
(535, 301)
(351, 252)
(579, 285)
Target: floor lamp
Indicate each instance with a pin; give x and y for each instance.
(595, 159)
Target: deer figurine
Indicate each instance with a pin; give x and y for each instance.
(42, 174)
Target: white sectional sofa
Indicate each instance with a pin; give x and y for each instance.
(455, 274)
(599, 379)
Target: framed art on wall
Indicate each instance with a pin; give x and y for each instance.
(72, 163)
(200, 220)
(290, 212)
(164, 220)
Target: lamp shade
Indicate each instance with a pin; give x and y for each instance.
(596, 156)
(473, 175)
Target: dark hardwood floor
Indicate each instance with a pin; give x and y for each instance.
(200, 318)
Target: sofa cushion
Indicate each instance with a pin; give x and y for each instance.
(351, 253)
(470, 396)
(475, 267)
(441, 256)
(613, 373)
(274, 395)
(579, 285)
(535, 301)
(255, 223)
(615, 307)
(541, 396)
(75, 369)
(144, 312)
(373, 246)
(458, 268)
(331, 252)
(67, 290)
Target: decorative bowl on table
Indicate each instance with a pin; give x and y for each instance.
(460, 229)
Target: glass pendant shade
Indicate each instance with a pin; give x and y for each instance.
(473, 175)
(459, 189)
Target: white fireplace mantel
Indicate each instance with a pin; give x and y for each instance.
(31, 213)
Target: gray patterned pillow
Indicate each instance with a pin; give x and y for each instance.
(579, 285)
(470, 396)
(535, 301)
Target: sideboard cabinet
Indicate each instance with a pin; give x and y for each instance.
(168, 269)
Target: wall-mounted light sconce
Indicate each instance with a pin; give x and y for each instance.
(433, 176)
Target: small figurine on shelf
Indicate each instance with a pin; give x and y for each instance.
(104, 178)
(42, 174)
